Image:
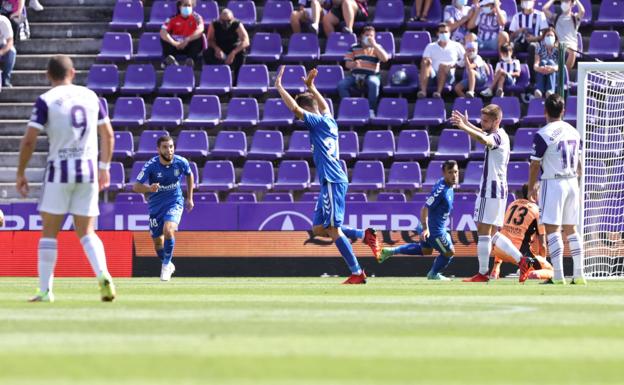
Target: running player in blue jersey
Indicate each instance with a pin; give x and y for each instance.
(432, 230)
(312, 108)
(160, 177)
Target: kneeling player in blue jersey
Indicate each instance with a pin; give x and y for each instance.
(312, 108)
(432, 230)
(160, 177)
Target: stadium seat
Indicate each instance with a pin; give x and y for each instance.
(166, 112)
(389, 14)
(293, 175)
(130, 197)
(103, 79)
(428, 112)
(278, 197)
(327, 78)
(434, 173)
(265, 48)
(411, 82)
(215, 79)
(309, 197)
(453, 144)
(535, 112)
(206, 197)
(353, 112)
(129, 112)
(412, 145)
(522, 83)
(472, 175)
(192, 144)
(391, 112)
(161, 11)
(391, 196)
(257, 175)
(241, 197)
(243, 10)
(588, 17)
(510, 8)
(412, 46)
(208, 10)
(367, 175)
(315, 185)
(242, 112)
(349, 145)
(611, 14)
(204, 112)
(570, 110)
(124, 145)
(195, 171)
(117, 177)
(604, 45)
(404, 175)
(477, 151)
(338, 44)
(291, 80)
(230, 144)
(302, 47)
(377, 144)
(276, 114)
(510, 105)
(137, 166)
(149, 47)
(517, 174)
(218, 175)
(299, 145)
(116, 46)
(148, 144)
(356, 197)
(471, 105)
(177, 80)
(434, 17)
(523, 143)
(386, 40)
(276, 14)
(127, 16)
(140, 80)
(266, 145)
(253, 79)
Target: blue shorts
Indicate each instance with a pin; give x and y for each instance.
(172, 213)
(509, 80)
(440, 242)
(330, 207)
(488, 45)
(480, 80)
(433, 78)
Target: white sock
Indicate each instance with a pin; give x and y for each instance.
(502, 242)
(555, 247)
(484, 248)
(576, 249)
(47, 260)
(94, 249)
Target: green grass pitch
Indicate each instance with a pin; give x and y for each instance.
(312, 331)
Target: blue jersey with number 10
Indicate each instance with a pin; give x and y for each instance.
(168, 176)
(440, 204)
(324, 139)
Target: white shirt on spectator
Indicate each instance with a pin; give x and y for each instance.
(6, 32)
(452, 54)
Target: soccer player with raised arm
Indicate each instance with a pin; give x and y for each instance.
(492, 199)
(556, 151)
(160, 178)
(72, 117)
(312, 108)
(432, 229)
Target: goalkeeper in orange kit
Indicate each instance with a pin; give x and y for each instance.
(522, 227)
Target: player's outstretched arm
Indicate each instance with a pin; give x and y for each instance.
(107, 143)
(320, 100)
(424, 220)
(190, 184)
(27, 147)
(290, 102)
(533, 173)
(145, 188)
(460, 121)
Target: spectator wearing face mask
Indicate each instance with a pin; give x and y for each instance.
(181, 35)
(363, 60)
(489, 19)
(566, 23)
(227, 41)
(506, 72)
(526, 30)
(546, 66)
(476, 71)
(439, 61)
(457, 16)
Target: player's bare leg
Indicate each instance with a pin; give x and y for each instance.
(47, 254)
(168, 268)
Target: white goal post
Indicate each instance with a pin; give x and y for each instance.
(600, 121)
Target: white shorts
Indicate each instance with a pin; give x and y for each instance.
(559, 202)
(70, 198)
(490, 211)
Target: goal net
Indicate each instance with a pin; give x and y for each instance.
(600, 120)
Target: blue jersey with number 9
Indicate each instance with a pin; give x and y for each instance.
(325, 152)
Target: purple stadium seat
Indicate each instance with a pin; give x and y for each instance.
(309, 197)
(611, 14)
(257, 176)
(535, 112)
(511, 109)
(241, 197)
(215, 79)
(472, 175)
(299, 145)
(472, 105)
(353, 112)
(377, 145)
(253, 79)
(206, 197)
(517, 174)
(276, 114)
(338, 44)
(434, 173)
(177, 80)
(276, 14)
(433, 18)
(412, 145)
(389, 14)
(386, 40)
(453, 144)
(129, 112)
(265, 48)
(116, 46)
(127, 16)
(130, 197)
(147, 144)
(166, 112)
(204, 112)
(587, 19)
(291, 79)
(570, 110)
(315, 186)
(356, 197)
(293, 175)
(208, 9)
(117, 176)
(230, 144)
(404, 175)
(327, 78)
(242, 112)
(367, 175)
(349, 145)
(331, 105)
(411, 84)
(477, 151)
(103, 79)
(510, 8)
(391, 197)
(218, 175)
(195, 171)
(391, 112)
(428, 112)
(412, 45)
(124, 145)
(137, 166)
(243, 10)
(140, 79)
(161, 11)
(149, 47)
(274, 197)
(522, 83)
(192, 144)
(266, 145)
(604, 45)
(302, 47)
(523, 143)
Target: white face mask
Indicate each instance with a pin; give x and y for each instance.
(565, 6)
(365, 40)
(506, 59)
(472, 55)
(528, 4)
(486, 10)
(549, 40)
(444, 36)
(461, 3)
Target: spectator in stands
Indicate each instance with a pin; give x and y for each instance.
(348, 11)
(7, 51)
(421, 10)
(546, 66)
(14, 11)
(506, 72)
(181, 34)
(457, 16)
(476, 73)
(35, 5)
(227, 41)
(526, 30)
(489, 19)
(439, 61)
(307, 13)
(566, 25)
(363, 60)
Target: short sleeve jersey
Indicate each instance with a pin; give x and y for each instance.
(168, 176)
(325, 152)
(558, 146)
(440, 204)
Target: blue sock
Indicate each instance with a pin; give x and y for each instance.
(161, 254)
(439, 264)
(409, 249)
(352, 233)
(344, 246)
(168, 250)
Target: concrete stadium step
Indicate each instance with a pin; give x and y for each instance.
(15, 110)
(39, 78)
(8, 191)
(11, 143)
(40, 62)
(67, 30)
(59, 46)
(20, 95)
(9, 159)
(7, 174)
(12, 127)
(80, 13)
